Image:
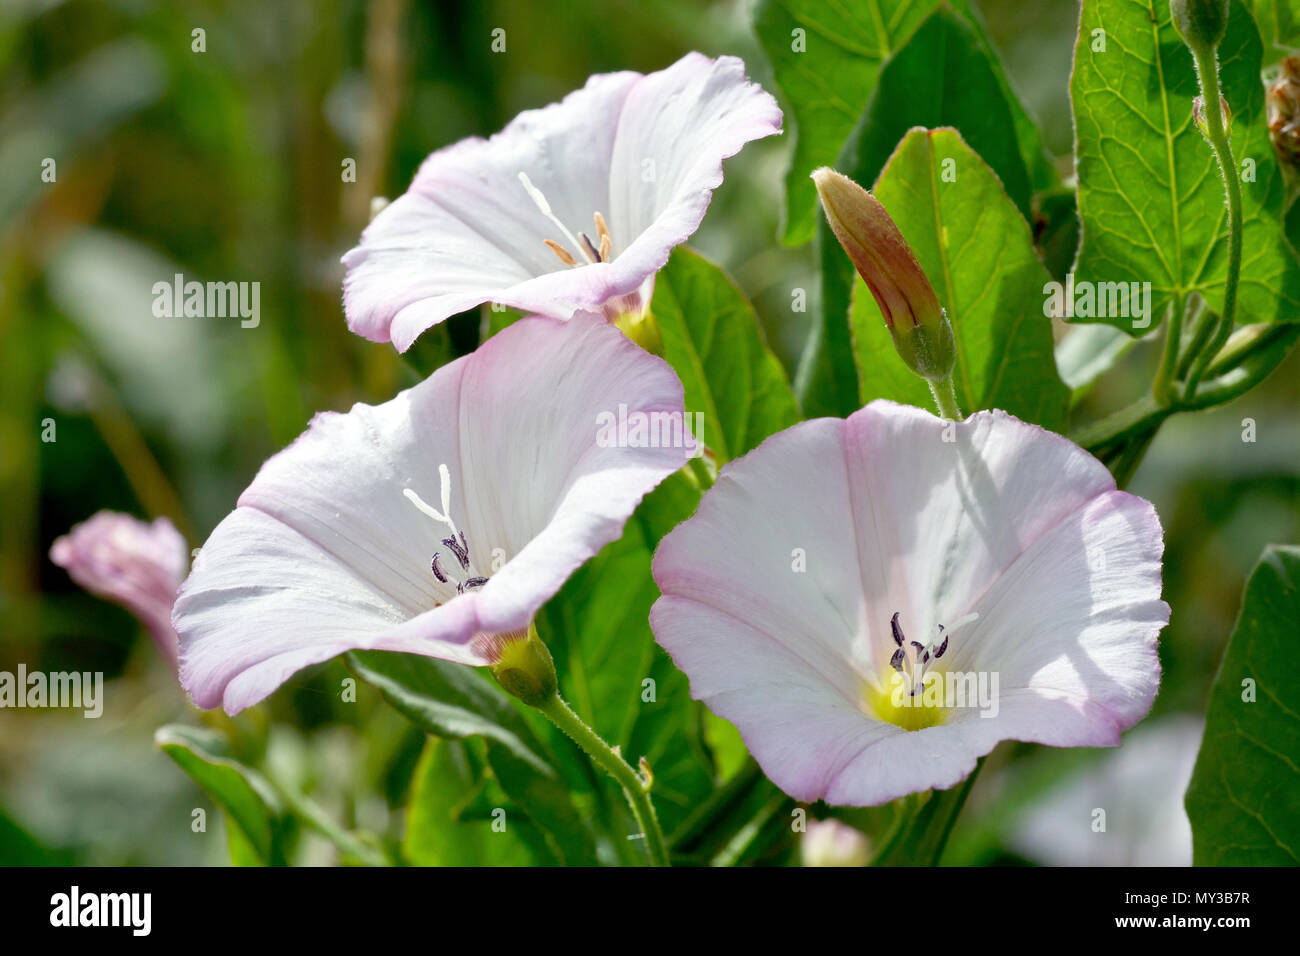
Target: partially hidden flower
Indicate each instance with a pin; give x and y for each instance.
(130, 562)
(834, 843)
(1283, 101)
(437, 523)
(1140, 787)
(916, 321)
(572, 207)
(875, 602)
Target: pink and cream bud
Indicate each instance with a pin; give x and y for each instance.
(921, 331)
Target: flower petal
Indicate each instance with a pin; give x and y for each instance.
(326, 553)
(467, 232)
(893, 511)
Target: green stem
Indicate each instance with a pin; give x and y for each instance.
(1248, 342)
(1207, 67)
(306, 810)
(1201, 325)
(1163, 387)
(922, 833)
(945, 399)
(1124, 467)
(1122, 425)
(1237, 372)
(634, 787)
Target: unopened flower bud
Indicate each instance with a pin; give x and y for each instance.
(1201, 23)
(524, 667)
(921, 331)
(1198, 114)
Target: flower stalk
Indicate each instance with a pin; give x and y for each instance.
(526, 670)
(1202, 24)
(635, 787)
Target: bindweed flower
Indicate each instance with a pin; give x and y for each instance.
(917, 323)
(833, 843)
(876, 602)
(132, 563)
(1140, 789)
(570, 208)
(437, 523)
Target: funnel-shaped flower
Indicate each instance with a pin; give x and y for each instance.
(571, 207)
(437, 523)
(917, 323)
(131, 563)
(876, 602)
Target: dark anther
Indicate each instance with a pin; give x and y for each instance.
(897, 629)
(437, 571)
(459, 548)
(938, 652)
(896, 662)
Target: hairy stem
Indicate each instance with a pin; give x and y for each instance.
(1207, 67)
(608, 759)
(945, 399)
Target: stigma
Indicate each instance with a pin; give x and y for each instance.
(467, 578)
(599, 251)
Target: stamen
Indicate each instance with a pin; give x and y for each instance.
(459, 548)
(456, 542)
(606, 246)
(560, 251)
(592, 252)
(602, 230)
(896, 628)
(536, 195)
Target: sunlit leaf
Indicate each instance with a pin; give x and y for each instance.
(1151, 199)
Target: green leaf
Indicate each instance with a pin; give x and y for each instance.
(825, 58)
(827, 85)
(977, 251)
(1279, 23)
(712, 339)
(946, 74)
(1244, 798)
(246, 796)
(448, 700)
(442, 827)
(454, 701)
(1151, 199)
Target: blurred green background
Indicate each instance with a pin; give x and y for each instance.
(227, 165)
